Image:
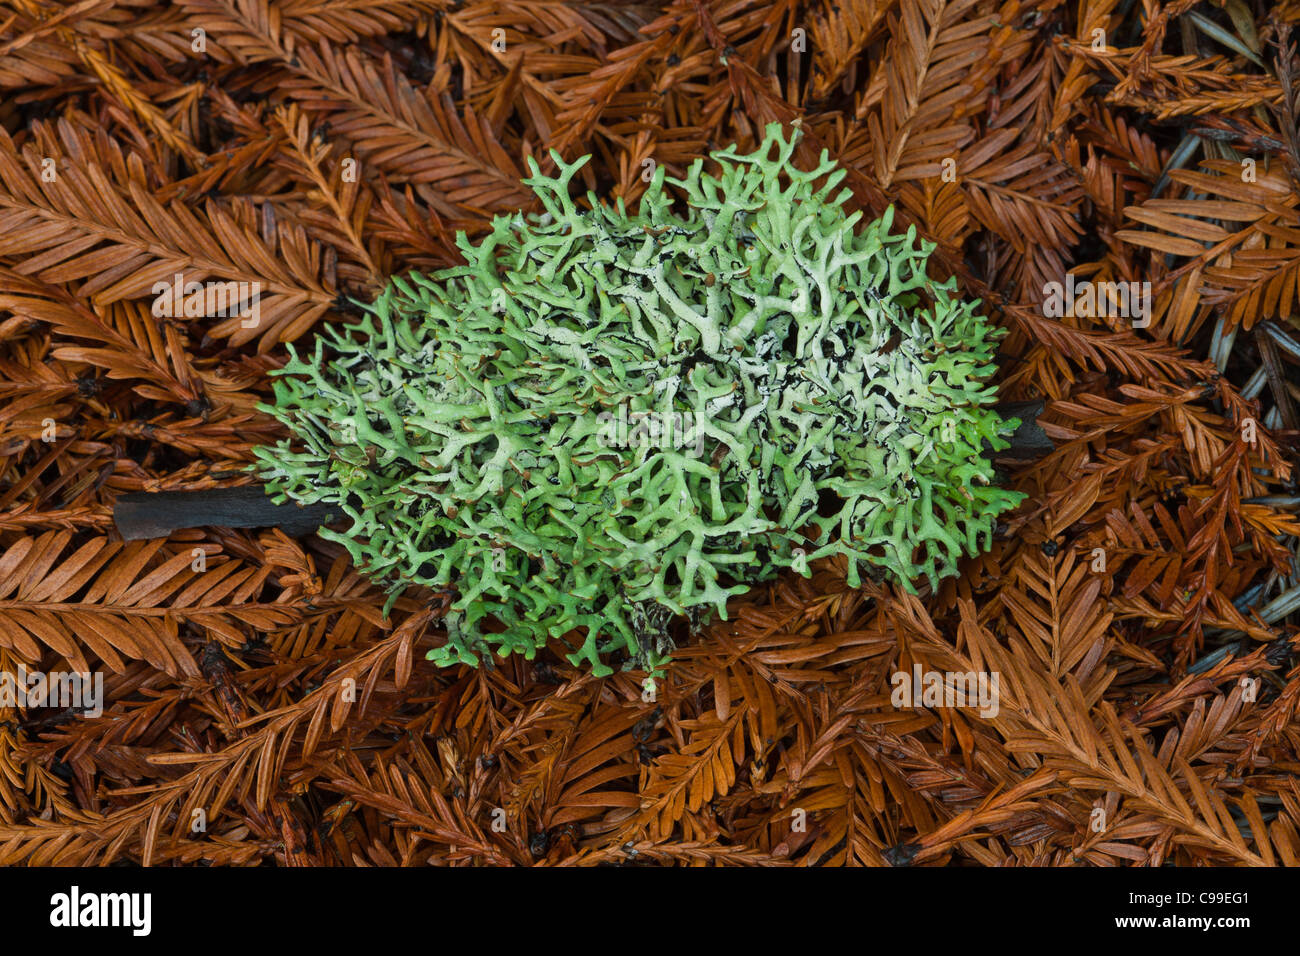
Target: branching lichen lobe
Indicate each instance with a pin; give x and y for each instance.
(606, 417)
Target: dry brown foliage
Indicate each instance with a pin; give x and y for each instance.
(1121, 689)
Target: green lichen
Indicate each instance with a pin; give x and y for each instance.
(605, 419)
